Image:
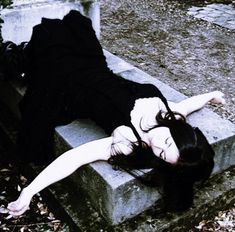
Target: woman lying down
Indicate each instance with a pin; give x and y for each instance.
(68, 78)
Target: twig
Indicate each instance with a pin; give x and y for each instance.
(34, 224)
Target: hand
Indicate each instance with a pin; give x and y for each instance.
(217, 98)
(19, 206)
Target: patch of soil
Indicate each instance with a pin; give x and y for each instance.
(38, 218)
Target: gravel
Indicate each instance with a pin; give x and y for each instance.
(191, 55)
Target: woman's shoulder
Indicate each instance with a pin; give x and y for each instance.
(146, 109)
(149, 102)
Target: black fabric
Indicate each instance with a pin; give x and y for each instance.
(68, 78)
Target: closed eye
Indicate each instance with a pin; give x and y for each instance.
(162, 155)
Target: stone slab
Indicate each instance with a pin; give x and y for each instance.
(23, 15)
(220, 14)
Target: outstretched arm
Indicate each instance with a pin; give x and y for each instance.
(62, 167)
(195, 103)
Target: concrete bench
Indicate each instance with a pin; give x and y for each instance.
(115, 194)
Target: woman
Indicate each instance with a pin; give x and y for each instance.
(68, 77)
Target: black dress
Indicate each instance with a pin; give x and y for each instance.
(68, 78)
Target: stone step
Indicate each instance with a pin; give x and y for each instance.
(115, 194)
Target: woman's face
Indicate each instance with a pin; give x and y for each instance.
(163, 145)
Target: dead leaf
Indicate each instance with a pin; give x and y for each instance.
(7, 178)
(18, 188)
(2, 197)
(3, 210)
(5, 170)
(23, 179)
(22, 229)
(9, 217)
(51, 216)
(56, 226)
(201, 224)
(42, 208)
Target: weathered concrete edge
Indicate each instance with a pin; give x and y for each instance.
(215, 195)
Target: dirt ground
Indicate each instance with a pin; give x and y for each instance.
(191, 55)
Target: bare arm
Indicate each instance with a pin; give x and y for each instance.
(195, 103)
(62, 167)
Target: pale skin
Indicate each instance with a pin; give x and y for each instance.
(159, 139)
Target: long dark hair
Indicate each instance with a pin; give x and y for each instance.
(195, 162)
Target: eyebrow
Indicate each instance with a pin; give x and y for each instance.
(167, 140)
